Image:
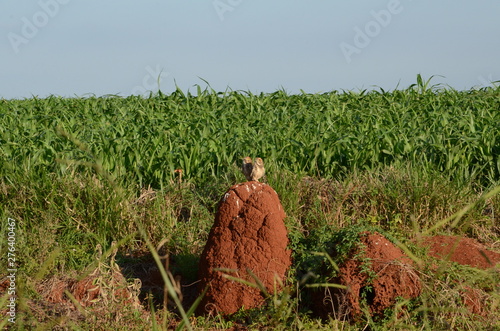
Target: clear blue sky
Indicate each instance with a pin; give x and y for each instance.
(76, 48)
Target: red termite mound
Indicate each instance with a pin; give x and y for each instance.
(376, 271)
(466, 251)
(248, 240)
(462, 250)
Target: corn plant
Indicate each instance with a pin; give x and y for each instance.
(144, 140)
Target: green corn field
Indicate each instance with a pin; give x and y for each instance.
(143, 140)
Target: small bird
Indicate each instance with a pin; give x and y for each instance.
(258, 169)
(247, 167)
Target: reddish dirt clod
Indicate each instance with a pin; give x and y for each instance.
(85, 291)
(474, 299)
(248, 234)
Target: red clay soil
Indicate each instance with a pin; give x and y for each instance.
(4, 285)
(89, 291)
(465, 251)
(378, 271)
(475, 301)
(249, 234)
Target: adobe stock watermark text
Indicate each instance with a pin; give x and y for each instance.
(32, 25)
(363, 35)
(11, 270)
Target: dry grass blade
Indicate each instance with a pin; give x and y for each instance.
(456, 217)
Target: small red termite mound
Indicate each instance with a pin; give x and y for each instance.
(470, 252)
(375, 271)
(248, 241)
(462, 250)
(476, 300)
(96, 288)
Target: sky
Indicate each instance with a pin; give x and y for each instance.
(74, 48)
